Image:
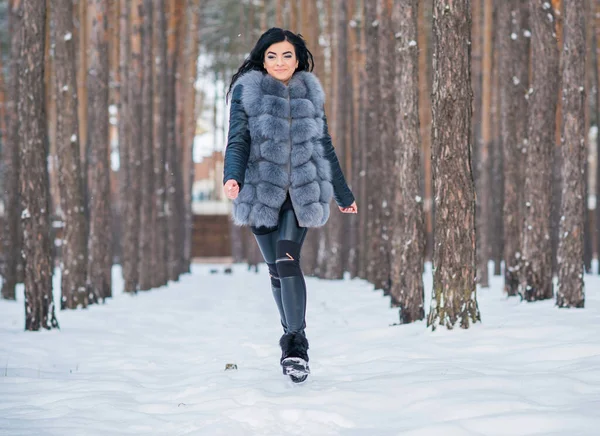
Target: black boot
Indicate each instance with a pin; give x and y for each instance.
(294, 356)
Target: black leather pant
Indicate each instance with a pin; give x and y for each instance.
(281, 251)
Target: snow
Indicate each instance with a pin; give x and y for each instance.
(155, 364)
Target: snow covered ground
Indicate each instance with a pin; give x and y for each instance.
(154, 364)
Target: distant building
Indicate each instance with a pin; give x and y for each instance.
(207, 190)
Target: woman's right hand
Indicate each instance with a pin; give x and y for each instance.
(232, 189)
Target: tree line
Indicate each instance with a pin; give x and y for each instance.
(463, 130)
(70, 64)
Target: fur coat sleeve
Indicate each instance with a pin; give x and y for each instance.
(238, 141)
(341, 192)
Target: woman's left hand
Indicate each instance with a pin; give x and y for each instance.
(353, 208)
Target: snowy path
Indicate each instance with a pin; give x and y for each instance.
(154, 364)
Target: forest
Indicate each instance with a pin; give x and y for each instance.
(468, 131)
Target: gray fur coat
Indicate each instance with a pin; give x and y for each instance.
(286, 128)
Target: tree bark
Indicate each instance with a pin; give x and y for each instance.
(337, 225)
(100, 241)
(160, 140)
(124, 132)
(35, 186)
(74, 247)
(588, 234)
(514, 79)
(353, 139)
(570, 247)
(597, 28)
(484, 173)
(82, 92)
(536, 280)
(174, 250)
(134, 170)
(12, 237)
(408, 242)
(423, 33)
(557, 149)
(454, 294)
(361, 166)
(372, 123)
(189, 121)
(385, 148)
(496, 231)
(147, 168)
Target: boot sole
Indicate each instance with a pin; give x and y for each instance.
(296, 367)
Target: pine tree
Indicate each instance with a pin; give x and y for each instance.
(536, 278)
(35, 185)
(100, 241)
(12, 235)
(570, 247)
(407, 239)
(74, 248)
(146, 225)
(514, 79)
(454, 295)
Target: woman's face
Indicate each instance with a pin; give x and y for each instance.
(280, 61)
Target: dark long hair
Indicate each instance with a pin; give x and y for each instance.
(273, 36)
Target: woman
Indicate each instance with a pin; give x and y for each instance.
(281, 171)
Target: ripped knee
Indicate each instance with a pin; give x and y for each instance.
(288, 258)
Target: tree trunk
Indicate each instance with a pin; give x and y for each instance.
(352, 138)
(514, 79)
(361, 166)
(35, 186)
(100, 241)
(454, 293)
(74, 247)
(293, 8)
(484, 171)
(590, 62)
(12, 235)
(124, 132)
(160, 140)
(337, 225)
(423, 32)
(373, 133)
(385, 149)
(536, 280)
(179, 69)
(134, 171)
(597, 28)
(496, 230)
(173, 248)
(3, 130)
(147, 168)
(570, 247)
(49, 83)
(408, 240)
(557, 149)
(82, 93)
(189, 122)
